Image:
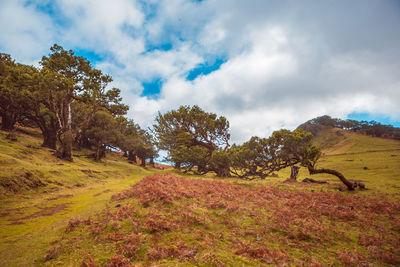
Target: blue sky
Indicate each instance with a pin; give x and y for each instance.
(263, 64)
(383, 119)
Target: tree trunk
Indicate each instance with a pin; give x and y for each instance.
(49, 139)
(152, 162)
(8, 121)
(66, 146)
(350, 185)
(294, 172)
(66, 138)
(103, 151)
(132, 156)
(97, 155)
(177, 165)
(223, 172)
(143, 161)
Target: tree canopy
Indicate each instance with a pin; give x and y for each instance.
(191, 136)
(71, 103)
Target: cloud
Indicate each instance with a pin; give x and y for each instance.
(280, 63)
(25, 32)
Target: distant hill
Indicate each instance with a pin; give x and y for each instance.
(333, 138)
(371, 128)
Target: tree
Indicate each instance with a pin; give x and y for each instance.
(191, 136)
(309, 158)
(130, 134)
(136, 142)
(75, 80)
(300, 148)
(38, 107)
(14, 78)
(144, 149)
(17, 83)
(103, 132)
(260, 157)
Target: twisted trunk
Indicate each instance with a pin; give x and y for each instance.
(350, 185)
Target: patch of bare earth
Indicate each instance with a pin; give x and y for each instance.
(60, 196)
(213, 223)
(103, 192)
(47, 211)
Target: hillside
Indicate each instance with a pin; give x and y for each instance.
(374, 161)
(54, 212)
(40, 193)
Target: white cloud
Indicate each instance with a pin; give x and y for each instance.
(24, 31)
(285, 62)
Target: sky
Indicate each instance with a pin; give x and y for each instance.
(264, 65)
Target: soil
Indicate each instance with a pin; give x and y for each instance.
(60, 196)
(105, 191)
(48, 211)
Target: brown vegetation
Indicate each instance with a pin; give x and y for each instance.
(197, 221)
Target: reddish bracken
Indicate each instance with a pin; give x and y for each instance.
(119, 261)
(268, 225)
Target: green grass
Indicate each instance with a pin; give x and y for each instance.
(373, 161)
(84, 186)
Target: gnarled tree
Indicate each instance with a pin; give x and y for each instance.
(191, 136)
(260, 157)
(75, 80)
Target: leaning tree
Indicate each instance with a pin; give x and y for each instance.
(297, 147)
(260, 157)
(195, 140)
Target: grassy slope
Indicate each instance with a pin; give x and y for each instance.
(83, 187)
(350, 153)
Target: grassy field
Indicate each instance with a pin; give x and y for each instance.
(54, 212)
(373, 161)
(39, 194)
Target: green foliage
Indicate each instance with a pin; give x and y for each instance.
(191, 135)
(103, 133)
(62, 98)
(16, 82)
(260, 157)
(136, 142)
(76, 80)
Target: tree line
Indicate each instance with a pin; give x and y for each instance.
(198, 142)
(70, 102)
